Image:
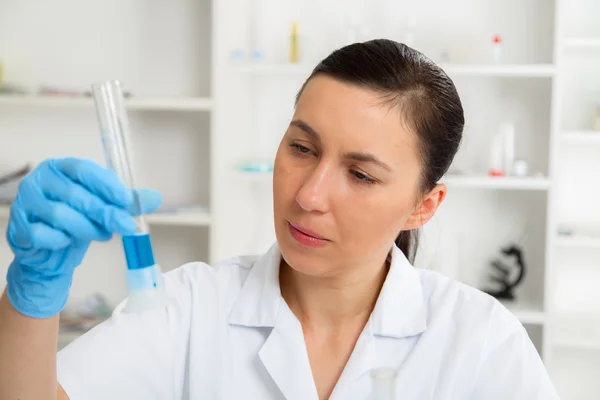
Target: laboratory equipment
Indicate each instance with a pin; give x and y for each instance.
(383, 383)
(508, 135)
(520, 168)
(497, 156)
(144, 278)
(294, 43)
(256, 36)
(497, 49)
(508, 272)
(503, 151)
(236, 55)
(256, 166)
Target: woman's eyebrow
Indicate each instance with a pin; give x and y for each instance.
(306, 128)
(356, 156)
(367, 157)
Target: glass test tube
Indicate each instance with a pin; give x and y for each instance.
(114, 130)
(144, 277)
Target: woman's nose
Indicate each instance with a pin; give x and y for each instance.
(314, 192)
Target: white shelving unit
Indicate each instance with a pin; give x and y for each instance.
(183, 218)
(508, 183)
(578, 241)
(150, 103)
(461, 181)
(166, 67)
(454, 70)
(575, 343)
(526, 88)
(582, 43)
(528, 313)
(506, 70)
(584, 137)
(574, 334)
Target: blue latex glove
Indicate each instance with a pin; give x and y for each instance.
(61, 207)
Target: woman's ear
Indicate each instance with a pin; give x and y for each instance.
(427, 208)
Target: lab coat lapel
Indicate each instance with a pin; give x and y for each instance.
(260, 305)
(399, 313)
(360, 363)
(285, 357)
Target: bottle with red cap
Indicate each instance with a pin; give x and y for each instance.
(497, 48)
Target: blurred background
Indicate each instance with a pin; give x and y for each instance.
(211, 87)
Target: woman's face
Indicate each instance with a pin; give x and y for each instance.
(346, 180)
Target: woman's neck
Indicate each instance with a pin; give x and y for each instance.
(332, 302)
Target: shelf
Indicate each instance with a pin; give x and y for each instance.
(454, 70)
(582, 136)
(142, 103)
(577, 343)
(507, 70)
(254, 177)
(462, 181)
(581, 332)
(582, 43)
(578, 241)
(486, 182)
(173, 103)
(182, 218)
(527, 312)
(274, 69)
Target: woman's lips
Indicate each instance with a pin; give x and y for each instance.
(306, 237)
(307, 232)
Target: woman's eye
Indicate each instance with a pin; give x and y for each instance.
(298, 148)
(362, 178)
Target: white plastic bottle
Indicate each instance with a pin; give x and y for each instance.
(497, 156)
(508, 135)
(497, 49)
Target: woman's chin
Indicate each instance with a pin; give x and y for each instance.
(303, 260)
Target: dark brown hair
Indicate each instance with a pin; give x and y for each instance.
(426, 97)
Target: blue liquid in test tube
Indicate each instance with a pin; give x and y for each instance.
(144, 278)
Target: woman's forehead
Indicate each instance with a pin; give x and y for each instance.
(356, 118)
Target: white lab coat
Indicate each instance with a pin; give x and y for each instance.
(230, 335)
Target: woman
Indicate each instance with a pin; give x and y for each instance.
(376, 126)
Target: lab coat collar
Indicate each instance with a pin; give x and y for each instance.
(399, 311)
(260, 298)
(400, 308)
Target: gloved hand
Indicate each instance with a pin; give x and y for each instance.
(61, 207)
